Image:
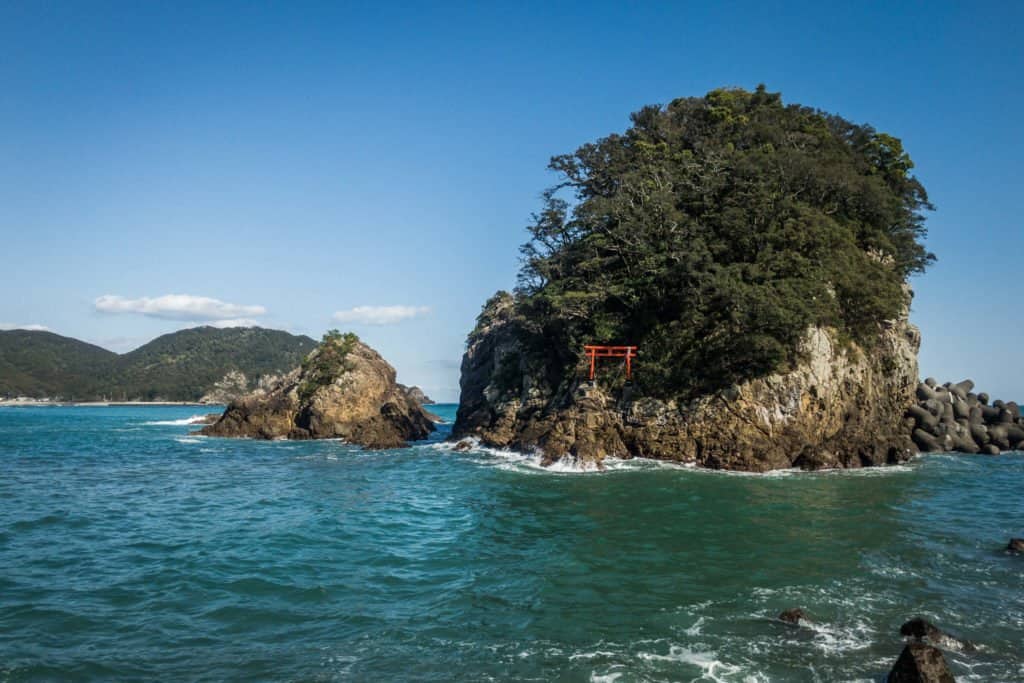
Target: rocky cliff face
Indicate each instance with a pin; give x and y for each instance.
(235, 385)
(355, 399)
(841, 406)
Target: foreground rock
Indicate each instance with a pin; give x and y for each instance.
(924, 631)
(920, 663)
(841, 407)
(1016, 545)
(795, 615)
(343, 390)
(951, 417)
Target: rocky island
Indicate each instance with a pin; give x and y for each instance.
(343, 390)
(758, 255)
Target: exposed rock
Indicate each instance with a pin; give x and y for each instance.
(208, 419)
(925, 631)
(920, 663)
(235, 385)
(1016, 545)
(463, 446)
(231, 386)
(841, 407)
(794, 615)
(342, 391)
(416, 394)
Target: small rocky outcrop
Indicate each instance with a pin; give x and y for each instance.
(920, 663)
(416, 394)
(842, 406)
(794, 616)
(342, 390)
(951, 417)
(921, 630)
(1016, 545)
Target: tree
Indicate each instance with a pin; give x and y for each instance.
(714, 231)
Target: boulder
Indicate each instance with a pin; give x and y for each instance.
(923, 417)
(343, 390)
(989, 413)
(1016, 545)
(922, 630)
(920, 663)
(979, 433)
(1000, 436)
(928, 443)
(794, 615)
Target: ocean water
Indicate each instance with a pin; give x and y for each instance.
(130, 550)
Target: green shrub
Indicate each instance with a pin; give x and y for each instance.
(327, 363)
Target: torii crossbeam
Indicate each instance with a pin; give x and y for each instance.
(596, 351)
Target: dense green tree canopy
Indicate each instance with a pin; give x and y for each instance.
(714, 231)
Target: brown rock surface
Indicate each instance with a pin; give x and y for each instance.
(920, 663)
(358, 401)
(841, 407)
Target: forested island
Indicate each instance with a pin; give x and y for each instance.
(757, 253)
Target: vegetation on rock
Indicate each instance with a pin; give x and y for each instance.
(327, 363)
(713, 233)
(342, 390)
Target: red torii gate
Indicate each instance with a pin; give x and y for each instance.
(596, 351)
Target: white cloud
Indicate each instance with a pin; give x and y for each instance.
(30, 328)
(178, 307)
(235, 322)
(380, 315)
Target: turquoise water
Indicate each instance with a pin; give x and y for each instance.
(131, 551)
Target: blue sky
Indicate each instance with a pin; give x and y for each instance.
(290, 161)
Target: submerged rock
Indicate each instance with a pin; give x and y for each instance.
(1016, 545)
(795, 615)
(343, 390)
(842, 406)
(920, 663)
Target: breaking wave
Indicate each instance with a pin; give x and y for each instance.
(191, 420)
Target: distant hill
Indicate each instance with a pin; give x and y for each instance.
(40, 364)
(181, 366)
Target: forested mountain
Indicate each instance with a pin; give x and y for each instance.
(180, 366)
(46, 364)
